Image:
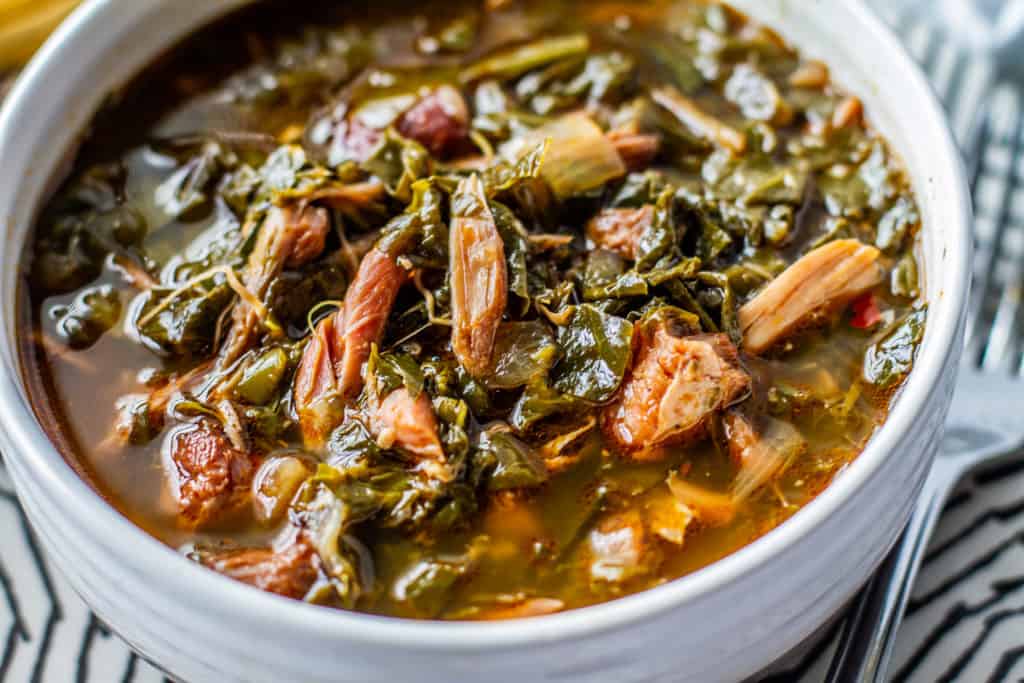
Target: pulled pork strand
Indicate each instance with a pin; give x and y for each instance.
(409, 425)
(479, 281)
(674, 388)
(290, 236)
(316, 395)
(368, 304)
(207, 476)
(620, 230)
(439, 122)
(330, 372)
(289, 568)
(762, 447)
(821, 281)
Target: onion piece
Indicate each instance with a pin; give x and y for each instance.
(699, 122)
(710, 507)
(579, 157)
(762, 452)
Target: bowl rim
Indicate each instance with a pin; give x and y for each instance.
(179, 576)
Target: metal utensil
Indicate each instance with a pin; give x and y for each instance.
(984, 424)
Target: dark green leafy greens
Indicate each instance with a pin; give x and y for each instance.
(506, 462)
(645, 175)
(596, 352)
(94, 311)
(888, 360)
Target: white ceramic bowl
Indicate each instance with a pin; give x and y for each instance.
(723, 623)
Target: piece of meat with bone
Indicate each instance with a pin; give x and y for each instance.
(288, 569)
(675, 386)
(823, 280)
(330, 372)
(439, 121)
(620, 230)
(479, 280)
(207, 476)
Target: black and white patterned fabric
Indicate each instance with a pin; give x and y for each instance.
(47, 635)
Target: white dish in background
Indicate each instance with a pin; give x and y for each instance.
(723, 623)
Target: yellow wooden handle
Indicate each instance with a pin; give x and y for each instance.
(25, 24)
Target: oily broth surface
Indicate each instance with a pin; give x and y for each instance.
(533, 550)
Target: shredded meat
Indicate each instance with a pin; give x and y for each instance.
(668, 517)
(620, 230)
(709, 507)
(310, 225)
(741, 435)
(621, 548)
(439, 122)
(289, 236)
(207, 475)
(330, 372)
(637, 150)
(368, 304)
(289, 570)
(316, 396)
(478, 277)
(823, 280)
(675, 386)
(761, 447)
(351, 196)
(334, 135)
(357, 139)
(409, 424)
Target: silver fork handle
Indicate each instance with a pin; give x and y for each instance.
(981, 428)
(865, 643)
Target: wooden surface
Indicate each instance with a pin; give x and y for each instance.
(25, 24)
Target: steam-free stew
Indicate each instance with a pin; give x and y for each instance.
(472, 310)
